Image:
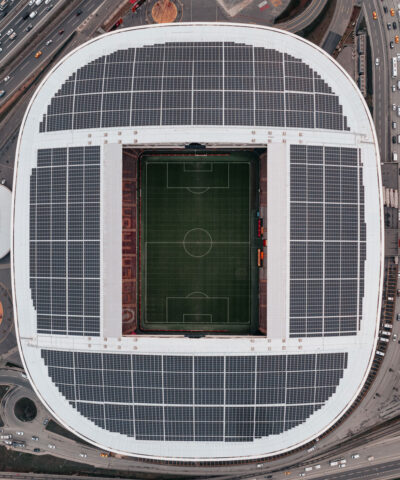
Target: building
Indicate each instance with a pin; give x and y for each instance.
(208, 88)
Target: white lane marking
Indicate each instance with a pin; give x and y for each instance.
(24, 65)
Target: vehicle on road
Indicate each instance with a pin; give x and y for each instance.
(23, 375)
(302, 474)
(3, 437)
(29, 28)
(398, 114)
(393, 88)
(31, 2)
(391, 44)
(84, 455)
(385, 9)
(19, 433)
(394, 25)
(38, 2)
(33, 14)
(374, 15)
(36, 450)
(45, 421)
(7, 78)
(394, 107)
(395, 337)
(377, 62)
(104, 454)
(79, 12)
(389, 26)
(8, 442)
(9, 32)
(49, 42)
(381, 354)
(393, 139)
(3, 5)
(35, 438)
(38, 54)
(50, 445)
(2, 93)
(370, 458)
(13, 35)
(355, 455)
(394, 67)
(46, 2)
(317, 467)
(392, 12)
(398, 317)
(61, 32)
(49, 8)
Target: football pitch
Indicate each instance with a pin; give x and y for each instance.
(196, 243)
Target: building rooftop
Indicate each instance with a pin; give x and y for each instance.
(224, 86)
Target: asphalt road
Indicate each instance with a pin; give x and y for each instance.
(16, 22)
(67, 25)
(380, 74)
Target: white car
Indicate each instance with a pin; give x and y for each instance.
(46, 2)
(38, 2)
(377, 62)
(9, 32)
(83, 455)
(49, 42)
(395, 337)
(355, 455)
(51, 445)
(19, 433)
(31, 2)
(35, 438)
(7, 78)
(394, 107)
(33, 14)
(393, 88)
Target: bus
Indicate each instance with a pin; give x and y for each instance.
(3, 5)
(394, 67)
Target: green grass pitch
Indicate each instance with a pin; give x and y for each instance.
(195, 218)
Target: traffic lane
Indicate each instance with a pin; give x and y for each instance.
(379, 75)
(19, 75)
(20, 25)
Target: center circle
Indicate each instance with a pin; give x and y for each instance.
(197, 242)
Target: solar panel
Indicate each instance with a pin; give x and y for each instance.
(65, 240)
(195, 84)
(327, 241)
(195, 398)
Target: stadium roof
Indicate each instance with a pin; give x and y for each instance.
(174, 397)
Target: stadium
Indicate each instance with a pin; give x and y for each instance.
(202, 276)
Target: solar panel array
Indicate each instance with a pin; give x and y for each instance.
(195, 398)
(327, 241)
(65, 240)
(195, 83)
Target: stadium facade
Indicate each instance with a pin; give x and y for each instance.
(211, 397)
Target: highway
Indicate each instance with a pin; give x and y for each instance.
(47, 45)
